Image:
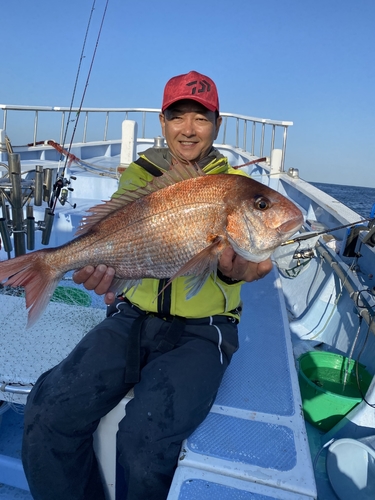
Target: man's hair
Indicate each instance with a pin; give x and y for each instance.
(170, 109)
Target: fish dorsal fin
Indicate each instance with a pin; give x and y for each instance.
(177, 173)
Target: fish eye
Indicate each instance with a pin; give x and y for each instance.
(261, 203)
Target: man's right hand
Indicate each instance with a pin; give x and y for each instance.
(98, 279)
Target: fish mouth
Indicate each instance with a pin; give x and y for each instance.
(291, 226)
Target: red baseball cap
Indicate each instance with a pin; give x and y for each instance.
(194, 86)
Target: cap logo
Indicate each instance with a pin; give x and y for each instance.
(204, 86)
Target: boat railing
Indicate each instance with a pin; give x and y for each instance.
(258, 136)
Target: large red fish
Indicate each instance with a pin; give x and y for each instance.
(178, 225)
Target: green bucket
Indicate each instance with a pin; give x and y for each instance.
(325, 398)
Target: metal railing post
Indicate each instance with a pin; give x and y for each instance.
(225, 130)
(84, 126)
(5, 119)
(253, 139)
(262, 140)
(273, 139)
(106, 126)
(143, 124)
(35, 127)
(284, 148)
(62, 127)
(244, 135)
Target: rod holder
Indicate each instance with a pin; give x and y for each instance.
(5, 235)
(14, 161)
(48, 181)
(48, 222)
(30, 233)
(38, 187)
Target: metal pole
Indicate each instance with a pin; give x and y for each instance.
(366, 312)
(5, 119)
(106, 126)
(38, 187)
(7, 242)
(253, 139)
(48, 222)
(143, 124)
(85, 126)
(14, 160)
(48, 181)
(225, 130)
(273, 139)
(30, 228)
(262, 140)
(62, 127)
(284, 149)
(35, 127)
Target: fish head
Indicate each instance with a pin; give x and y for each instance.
(260, 220)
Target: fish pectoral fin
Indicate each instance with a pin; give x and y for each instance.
(120, 285)
(195, 283)
(198, 268)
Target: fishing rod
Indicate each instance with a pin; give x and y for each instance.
(251, 162)
(60, 186)
(307, 236)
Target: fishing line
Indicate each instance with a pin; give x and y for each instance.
(334, 306)
(307, 236)
(60, 180)
(89, 73)
(76, 82)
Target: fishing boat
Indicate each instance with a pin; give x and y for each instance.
(295, 410)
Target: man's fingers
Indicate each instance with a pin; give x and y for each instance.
(105, 281)
(264, 268)
(81, 275)
(95, 278)
(226, 260)
(109, 297)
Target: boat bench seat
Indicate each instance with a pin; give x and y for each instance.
(255, 432)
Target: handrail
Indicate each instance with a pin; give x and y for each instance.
(235, 126)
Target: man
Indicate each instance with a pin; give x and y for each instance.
(173, 351)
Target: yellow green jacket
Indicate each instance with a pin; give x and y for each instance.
(218, 295)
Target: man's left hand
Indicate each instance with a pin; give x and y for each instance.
(236, 267)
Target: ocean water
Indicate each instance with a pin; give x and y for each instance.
(359, 199)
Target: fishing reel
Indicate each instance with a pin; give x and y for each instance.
(61, 190)
(303, 253)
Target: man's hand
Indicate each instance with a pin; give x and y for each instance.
(236, 267)
(98, 279)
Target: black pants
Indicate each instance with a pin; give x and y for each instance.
(175, 393)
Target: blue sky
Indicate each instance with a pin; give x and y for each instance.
(310, 62)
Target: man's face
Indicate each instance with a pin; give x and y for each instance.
(189, 129)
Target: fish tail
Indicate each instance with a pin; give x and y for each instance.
(36, 275)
